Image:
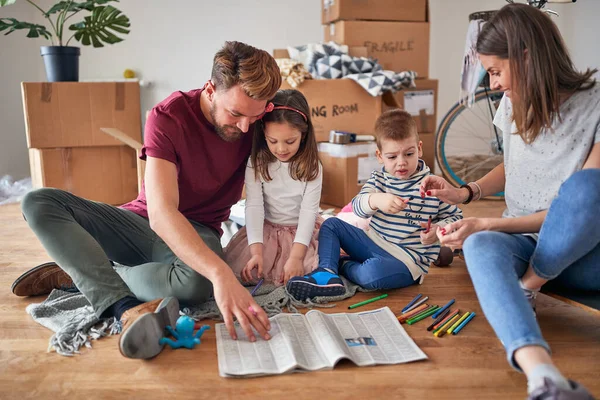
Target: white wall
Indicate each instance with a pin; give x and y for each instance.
(172, 44)
(580, 29)
(21, 61)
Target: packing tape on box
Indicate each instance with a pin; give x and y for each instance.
(46, 96)
(341, 137)
(347, 150)
(46, 92)
(120, 96)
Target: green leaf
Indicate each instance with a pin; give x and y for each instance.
(35, 30)
(6, 2)
(74, 6)
(99, 27)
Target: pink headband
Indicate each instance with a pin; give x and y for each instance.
(270, 107)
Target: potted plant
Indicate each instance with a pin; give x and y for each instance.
(61, 60)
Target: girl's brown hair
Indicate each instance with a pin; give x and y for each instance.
(304, 165)
(540, 65)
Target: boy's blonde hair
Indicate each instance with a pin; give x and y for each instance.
(395, 124)
(253, 69)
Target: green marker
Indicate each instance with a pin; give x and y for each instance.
(362, 303)
(422, 316)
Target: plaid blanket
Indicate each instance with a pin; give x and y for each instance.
(332, 61)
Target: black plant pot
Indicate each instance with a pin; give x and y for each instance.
(62, 63)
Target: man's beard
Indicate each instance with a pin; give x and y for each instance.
(228, 133)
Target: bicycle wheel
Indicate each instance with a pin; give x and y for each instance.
(467, 144)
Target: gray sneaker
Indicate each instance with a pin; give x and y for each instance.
(549, 391)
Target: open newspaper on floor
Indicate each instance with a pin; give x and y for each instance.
(317, 341)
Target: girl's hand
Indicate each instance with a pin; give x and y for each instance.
(293, 267)
(453, 235)
(256, 262)
(431, 236)
(437, 186)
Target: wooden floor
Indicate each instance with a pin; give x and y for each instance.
(471, 365)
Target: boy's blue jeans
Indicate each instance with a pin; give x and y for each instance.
(369, 265)
(567, 250)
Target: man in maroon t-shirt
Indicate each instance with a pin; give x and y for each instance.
(165, 245)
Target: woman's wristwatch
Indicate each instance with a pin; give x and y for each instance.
(470, 197)
(471, 192)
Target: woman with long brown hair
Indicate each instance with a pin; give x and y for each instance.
(550, 120)
(283, 192)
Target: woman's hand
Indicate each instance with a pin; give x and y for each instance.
(437, 186)
(453, 235)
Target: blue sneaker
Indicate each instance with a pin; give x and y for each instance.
(320, 282)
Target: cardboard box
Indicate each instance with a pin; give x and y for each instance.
(70, 114)
(339, 104)
(421, 103)
(398, 46)
(346, 168)
(375, 10)
(354, 51)
(137, 148)
(428, 140)
(105, 174)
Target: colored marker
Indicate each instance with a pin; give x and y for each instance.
(466, 321)
(457, 323)
(434, 316)
(440, 332)
(428, 225)
(417, 304)
(417, 297)
(405, 317)
(413, 312)
(422, 316)
(438, 320)
(362, 303)
(256, 287)
(418, 314)
(448, 317)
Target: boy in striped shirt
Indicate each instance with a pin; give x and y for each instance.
(397, 249)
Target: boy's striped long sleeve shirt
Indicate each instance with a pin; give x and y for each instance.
(399, 234)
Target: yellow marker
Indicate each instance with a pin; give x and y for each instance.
(446, 325)
(457, 323)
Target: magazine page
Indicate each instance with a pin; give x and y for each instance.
(366, 338)
(292, 346)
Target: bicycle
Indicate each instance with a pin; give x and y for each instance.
(467, 144)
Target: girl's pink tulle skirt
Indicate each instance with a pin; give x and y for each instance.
(277, 246)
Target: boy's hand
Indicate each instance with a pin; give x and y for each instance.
(386, 202)
(430, 237)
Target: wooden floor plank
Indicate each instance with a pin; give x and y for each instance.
(471, 365)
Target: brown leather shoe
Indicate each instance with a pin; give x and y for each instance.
(134, 313)
(41, 280)
(144, 326)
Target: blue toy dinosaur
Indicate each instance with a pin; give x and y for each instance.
(184, 333)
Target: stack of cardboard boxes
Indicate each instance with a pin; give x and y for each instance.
(67, 149)
(396, 33)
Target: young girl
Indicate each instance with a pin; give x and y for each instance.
(283, 192)
(550, 118)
